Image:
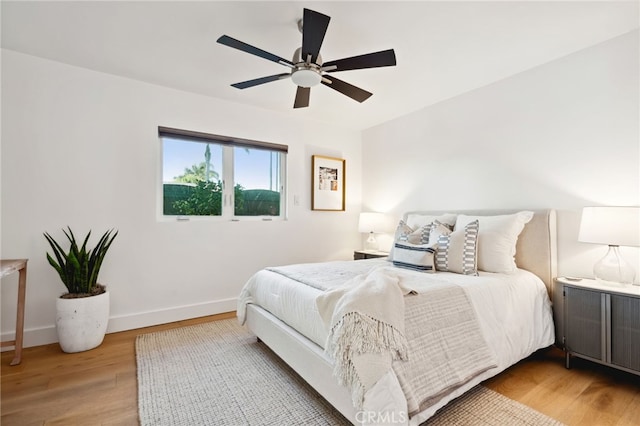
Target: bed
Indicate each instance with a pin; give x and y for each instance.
(285, 308)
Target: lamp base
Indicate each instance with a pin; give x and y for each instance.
(613, 269)
(371, 244)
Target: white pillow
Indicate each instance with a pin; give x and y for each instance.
(415, 220)
(497, 239)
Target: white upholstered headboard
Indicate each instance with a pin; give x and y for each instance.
(536, 250)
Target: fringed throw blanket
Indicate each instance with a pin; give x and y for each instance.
(431, 338)
(446, 346)
(365, 319)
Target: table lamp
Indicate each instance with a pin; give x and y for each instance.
(614, 226)
(372, 223)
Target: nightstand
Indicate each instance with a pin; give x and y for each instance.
(599, 322)
(368, 254)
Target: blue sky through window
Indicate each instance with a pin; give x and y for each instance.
(251, 166)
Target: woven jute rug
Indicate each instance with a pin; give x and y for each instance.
(218, 374)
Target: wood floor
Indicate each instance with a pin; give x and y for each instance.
(98, 387)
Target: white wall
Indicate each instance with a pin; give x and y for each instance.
(563, 135)
(80, 148)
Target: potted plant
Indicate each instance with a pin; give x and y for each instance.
(82, 314)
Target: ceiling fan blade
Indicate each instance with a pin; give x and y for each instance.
(384, 58)
(302, 97)
(261, 80)
(350, 90)
(237, 44)
(314, 27)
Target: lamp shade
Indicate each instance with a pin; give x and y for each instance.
(615, 226)
(373, 222)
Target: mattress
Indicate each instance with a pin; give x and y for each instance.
(513, 311)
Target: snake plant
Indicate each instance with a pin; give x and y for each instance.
(79, 267)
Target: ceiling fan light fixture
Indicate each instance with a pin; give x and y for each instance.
(306, 77)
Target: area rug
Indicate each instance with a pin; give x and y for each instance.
(217, 373)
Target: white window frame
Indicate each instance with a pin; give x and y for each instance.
(228, 195)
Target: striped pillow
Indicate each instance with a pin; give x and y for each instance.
(457, 252)
(436, 230)
(419, 257)
(407, 234)
(412, 235)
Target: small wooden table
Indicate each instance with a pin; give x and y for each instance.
(8, 267)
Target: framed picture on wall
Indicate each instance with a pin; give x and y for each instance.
(327, 183)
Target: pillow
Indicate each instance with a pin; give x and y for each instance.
(407, 234)
(497, 239)
(412, 235)
(419, 257)
(436, 230)
(415, 220)
(456, 252)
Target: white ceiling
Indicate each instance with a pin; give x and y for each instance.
(443, 49)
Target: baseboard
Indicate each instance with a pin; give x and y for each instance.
(46, 335)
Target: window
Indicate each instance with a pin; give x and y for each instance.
(211, 175)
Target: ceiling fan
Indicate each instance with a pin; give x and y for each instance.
(307, 68)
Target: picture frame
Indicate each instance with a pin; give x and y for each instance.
(327, 183)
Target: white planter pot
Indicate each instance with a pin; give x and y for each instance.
(81, 323)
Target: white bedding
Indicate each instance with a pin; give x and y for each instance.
(293, 303)
(513, 310)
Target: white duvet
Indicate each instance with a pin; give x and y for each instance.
(513, 310)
